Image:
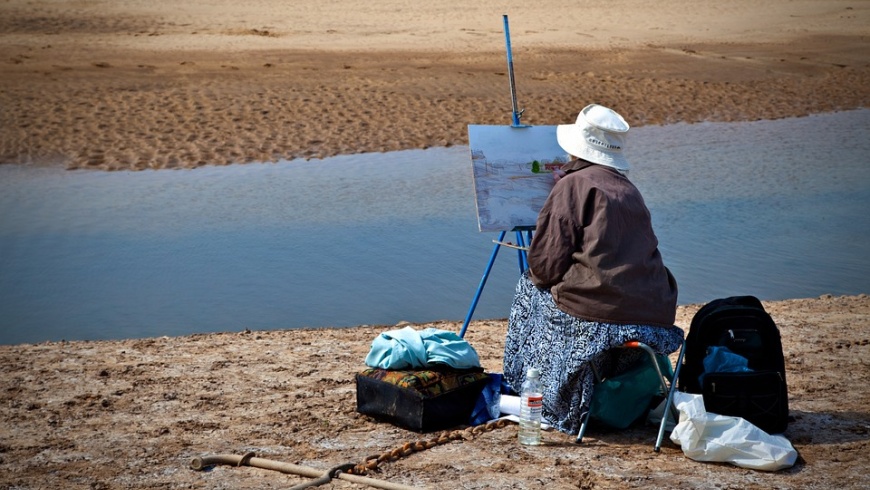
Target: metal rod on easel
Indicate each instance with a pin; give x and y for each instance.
(522, 244)
(517, 114)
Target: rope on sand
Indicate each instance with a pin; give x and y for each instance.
(349, 472)
(371, 463)
(321, 477)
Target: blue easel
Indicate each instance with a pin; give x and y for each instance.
(523, 241)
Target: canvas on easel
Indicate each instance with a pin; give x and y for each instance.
(513, 175)
(512, 171)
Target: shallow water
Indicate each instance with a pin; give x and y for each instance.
(777, 209)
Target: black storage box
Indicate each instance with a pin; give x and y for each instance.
(422, 401)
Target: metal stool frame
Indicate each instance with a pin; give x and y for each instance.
(669, 401)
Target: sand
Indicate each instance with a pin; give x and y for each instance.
(134, 414)
(139, 85)
(152, 85)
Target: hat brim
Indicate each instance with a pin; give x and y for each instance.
(570, 138)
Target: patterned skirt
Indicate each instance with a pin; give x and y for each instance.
(565, 347)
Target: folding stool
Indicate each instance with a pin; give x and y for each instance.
(668, 388)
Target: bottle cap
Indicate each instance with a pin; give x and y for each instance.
(533, 373)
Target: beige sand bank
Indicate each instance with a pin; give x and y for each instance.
(134, 413)
(136, 85)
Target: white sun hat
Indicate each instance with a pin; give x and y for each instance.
(598, 136)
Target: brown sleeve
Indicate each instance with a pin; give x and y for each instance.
(556, 238)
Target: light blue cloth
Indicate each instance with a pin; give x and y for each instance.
(407, 348)
(720, 359)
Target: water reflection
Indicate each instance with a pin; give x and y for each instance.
(775, 209)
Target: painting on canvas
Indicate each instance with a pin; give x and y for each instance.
(512, 173)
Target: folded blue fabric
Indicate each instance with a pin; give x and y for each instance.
(720, 359)
(488, 403)
(407, 348)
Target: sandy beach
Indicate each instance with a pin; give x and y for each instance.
(130, 85)
(135, 413)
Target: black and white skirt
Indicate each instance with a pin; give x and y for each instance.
(564, 347)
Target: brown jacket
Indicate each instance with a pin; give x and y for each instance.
(595, 249)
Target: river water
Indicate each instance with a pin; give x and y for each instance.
(776, 209)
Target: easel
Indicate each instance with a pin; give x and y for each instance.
(523, 242)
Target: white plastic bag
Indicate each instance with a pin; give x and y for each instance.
(710, 437)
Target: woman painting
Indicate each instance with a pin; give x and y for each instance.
(596, 278)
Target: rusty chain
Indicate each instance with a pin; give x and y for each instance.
(371, 463)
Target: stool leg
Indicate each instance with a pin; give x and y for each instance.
(585, 417)
(583, 426)
(669, 401)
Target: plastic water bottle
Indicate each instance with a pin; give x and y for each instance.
(531, 404)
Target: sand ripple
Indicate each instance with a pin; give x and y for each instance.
(108, 104)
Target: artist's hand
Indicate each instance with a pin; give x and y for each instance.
(557, 175)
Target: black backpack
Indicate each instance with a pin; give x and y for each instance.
(740, 324)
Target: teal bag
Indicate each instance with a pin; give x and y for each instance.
(620, 400)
